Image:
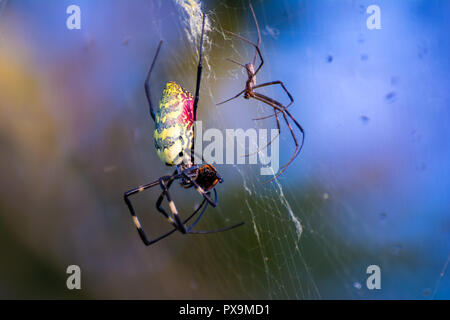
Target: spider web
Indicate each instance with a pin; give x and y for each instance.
(272, 253)
(300, 228)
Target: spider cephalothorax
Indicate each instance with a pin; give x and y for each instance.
(208, 177)
(174, 143)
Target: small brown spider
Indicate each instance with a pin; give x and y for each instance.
(278, 108)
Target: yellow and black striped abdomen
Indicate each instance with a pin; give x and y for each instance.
(174, 121)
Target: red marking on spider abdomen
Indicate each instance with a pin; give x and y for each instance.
(187, 113)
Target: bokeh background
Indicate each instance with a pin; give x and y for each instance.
(371, 185)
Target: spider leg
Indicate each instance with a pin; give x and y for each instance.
(142, 234)
(274, 103)
(239, 64)
(148, 243)
(299, 127)
(147, 82)
(266, 117)
(133, 213)
(165, 183)
(275, 114)
(136, 221)
(203, 204)
(197, 86)
(200, 190)
(250, 43)
(160, 200)
(213, 203)
(284, 88)
(180, 225)
(217, 230)
(236, 96)
(279, 107)
(257, 52)
(258, 42)
(274, 83)
(199, 70)
(201, 214)
(268, 144)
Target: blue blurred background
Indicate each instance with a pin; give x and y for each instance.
(371, 185)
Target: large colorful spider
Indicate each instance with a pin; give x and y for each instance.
(249, 92)
(174, 142)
